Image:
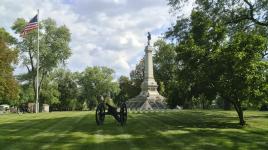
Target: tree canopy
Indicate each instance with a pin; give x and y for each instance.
(220, 51)
(96, 82)
(9, 89)
(54, 49)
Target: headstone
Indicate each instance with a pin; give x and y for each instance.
(4, 108)
(149, 98)
(31, 107)
(179, 107)
(45, 108)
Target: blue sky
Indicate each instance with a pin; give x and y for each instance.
(104, 32)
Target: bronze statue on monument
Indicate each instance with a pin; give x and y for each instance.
(149, 38)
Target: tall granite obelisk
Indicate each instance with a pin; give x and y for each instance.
(149, 98)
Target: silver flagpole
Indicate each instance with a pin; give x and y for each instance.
(37, 67)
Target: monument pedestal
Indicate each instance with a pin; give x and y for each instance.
(149, 98)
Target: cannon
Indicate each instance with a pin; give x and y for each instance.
(120, 117)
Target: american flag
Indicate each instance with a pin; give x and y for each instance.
(33, 24)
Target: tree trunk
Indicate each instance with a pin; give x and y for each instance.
(239, 111)
(226, 105)
(34, 89)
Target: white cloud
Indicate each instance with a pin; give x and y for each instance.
(105, 32)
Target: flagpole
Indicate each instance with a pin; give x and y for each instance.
(37, 67)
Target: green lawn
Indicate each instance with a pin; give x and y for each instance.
(156, 130)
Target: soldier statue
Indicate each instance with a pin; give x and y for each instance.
(149, 38)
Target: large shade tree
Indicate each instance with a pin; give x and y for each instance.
(67, 85)
(165, 69)
(221, 47)
(54, 49)
(96, 82)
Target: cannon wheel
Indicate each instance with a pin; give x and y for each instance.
(100, 114)
(123, 114)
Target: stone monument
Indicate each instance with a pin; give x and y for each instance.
(149, 98)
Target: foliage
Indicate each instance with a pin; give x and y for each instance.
(54, 49)
(9, 89)
(127, 89)
(220, 48)
(232, 11)
(96, 82)
(165, 68)
(50, 93)
(66, 90)
(67, 85)
(136, 76)
(26, 94)
(243, 78)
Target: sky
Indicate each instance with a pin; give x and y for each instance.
(110, 33)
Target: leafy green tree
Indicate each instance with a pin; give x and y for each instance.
(231, 11)
(136, 76)
(165, 70)
(165, 64)
(127, 89)
(242, 78)
(222, 46)
(67, 85)
(54, 49)
(50, 93)
(96, 82)
(26, 94)
(8, 56)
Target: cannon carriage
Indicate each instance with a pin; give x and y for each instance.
(104, 109)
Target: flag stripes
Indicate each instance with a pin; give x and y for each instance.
(33, 24)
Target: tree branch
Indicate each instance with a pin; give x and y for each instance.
(31, 59)
(28, 68)
(251, 15)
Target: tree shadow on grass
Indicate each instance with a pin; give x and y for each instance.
(143, 131)
(199, 120)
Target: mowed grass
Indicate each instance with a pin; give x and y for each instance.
(186, 129)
